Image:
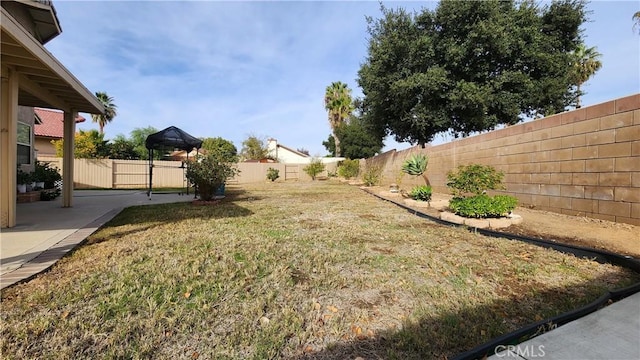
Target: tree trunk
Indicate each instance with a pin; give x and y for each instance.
(426, 179)
(337, 142)
(578, 98)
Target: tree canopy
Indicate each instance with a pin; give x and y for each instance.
(138, 138)
(122, 148)
(339, 105)
(110, 110)
(586, 62)
(254, 148)
(89, 144)
(224, 148)
(468, 66)
(358, 141)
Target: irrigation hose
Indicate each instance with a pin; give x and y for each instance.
(529, 331)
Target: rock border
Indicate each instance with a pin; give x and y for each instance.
(493, 223)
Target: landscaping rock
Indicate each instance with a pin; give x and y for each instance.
(500, 223)
(477, 223)
(439, 204)
(415, 203)
(385, 193)
(515, 219)
(451, 217)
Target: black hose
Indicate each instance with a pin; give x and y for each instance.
(531, 330)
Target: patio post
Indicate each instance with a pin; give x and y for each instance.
(8, 146)
(67, 157)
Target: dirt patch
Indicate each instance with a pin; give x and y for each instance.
(575, 230)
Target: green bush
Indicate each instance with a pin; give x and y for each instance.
(421, 193)
(273, 174)
(372, 175)
(23, 177)
(349, 168)
(314, 168)
(483, 206)
(44, 172)
(49, 194)
(474, 179)
(209, 173)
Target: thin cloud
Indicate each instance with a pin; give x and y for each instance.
(234, 68)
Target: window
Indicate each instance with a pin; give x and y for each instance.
(24, 144)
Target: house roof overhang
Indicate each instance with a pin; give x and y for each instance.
(43, 80)
(44, 18)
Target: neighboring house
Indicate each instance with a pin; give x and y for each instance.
(33, 77)
(181, 155)
(48, 126)
(287, 155)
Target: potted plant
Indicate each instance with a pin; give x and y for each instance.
(40, 175)
(22, 179)
(209, 174)
(47, 174)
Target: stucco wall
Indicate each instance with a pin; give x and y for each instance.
(583, 162)
(44, 147)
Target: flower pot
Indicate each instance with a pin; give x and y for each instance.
(220, 191)
(22, 188)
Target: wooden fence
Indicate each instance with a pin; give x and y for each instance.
(134, 174)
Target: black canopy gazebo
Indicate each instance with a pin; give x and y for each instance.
(169, 138)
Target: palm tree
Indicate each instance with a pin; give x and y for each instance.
(337, 101)
(636, 20)
(109, 110)
(586, 63)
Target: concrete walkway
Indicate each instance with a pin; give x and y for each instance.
(46, 231)
(612, 332)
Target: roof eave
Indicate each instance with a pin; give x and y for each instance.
(38, 62)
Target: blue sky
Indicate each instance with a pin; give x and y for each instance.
(234, 69)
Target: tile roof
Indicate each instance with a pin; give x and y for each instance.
(51, 125)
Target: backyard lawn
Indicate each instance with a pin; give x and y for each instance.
(278, 270)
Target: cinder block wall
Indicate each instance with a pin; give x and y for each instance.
(584, 162)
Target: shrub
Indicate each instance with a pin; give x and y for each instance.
(22, 177)
(314, 168)
(421, 193)
(44, 172)
(209, 173)
(49, 194)
(415, 165)
(483, 206)
(474, 179)
(372, 175)
(349, 168)
(273, 174)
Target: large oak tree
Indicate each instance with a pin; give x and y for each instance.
(468, 66)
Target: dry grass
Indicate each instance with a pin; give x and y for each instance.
(306, 270)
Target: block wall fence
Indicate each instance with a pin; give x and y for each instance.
(584, 162)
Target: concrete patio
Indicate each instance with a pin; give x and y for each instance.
(46, 231)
